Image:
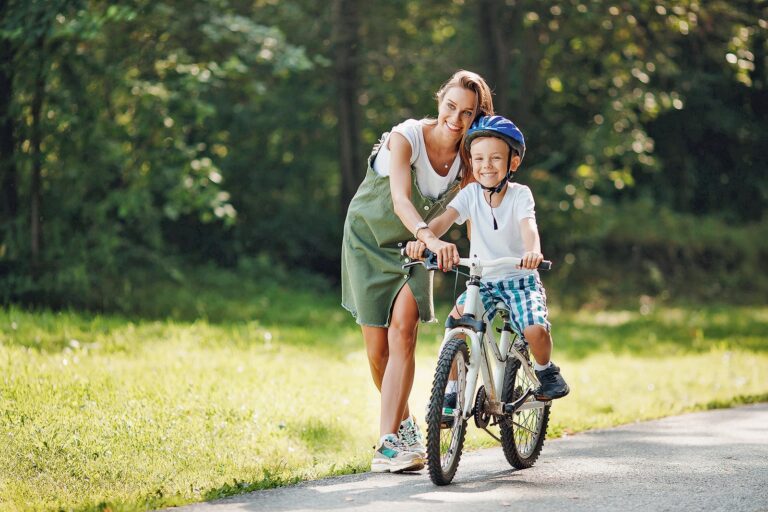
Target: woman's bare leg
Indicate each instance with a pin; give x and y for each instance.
(377, 347)
(397, 380)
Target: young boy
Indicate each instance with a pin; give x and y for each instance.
(503, 223)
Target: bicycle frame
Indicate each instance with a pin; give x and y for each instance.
(489, 368)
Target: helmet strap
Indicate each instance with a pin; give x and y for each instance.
(498, 188)
(495, 190)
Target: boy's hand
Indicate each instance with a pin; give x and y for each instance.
(414, 250)
(531, 260)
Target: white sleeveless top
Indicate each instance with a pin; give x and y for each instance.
(430, 183)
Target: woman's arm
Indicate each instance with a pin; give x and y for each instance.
(400, 186)
(531, 244)
(439, 226)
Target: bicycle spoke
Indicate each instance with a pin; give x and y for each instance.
(520, 425)
(522, 433)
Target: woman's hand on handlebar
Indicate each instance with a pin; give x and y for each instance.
(447, 253)
(415, 249)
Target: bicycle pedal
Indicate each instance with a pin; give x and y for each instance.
(511, 407)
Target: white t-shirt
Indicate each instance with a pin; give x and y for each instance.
(488, 243)
(430, 183)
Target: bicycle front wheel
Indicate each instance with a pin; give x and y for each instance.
(446, 425)
(523, 432)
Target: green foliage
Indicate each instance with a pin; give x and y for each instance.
(133, 134)
(640, 251)
(209, 130)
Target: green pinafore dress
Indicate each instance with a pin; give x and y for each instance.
(371, 265)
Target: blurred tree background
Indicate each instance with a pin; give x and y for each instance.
(141, 139)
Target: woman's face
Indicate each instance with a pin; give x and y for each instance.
(456, 110)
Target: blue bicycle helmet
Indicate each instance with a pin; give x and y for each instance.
(499, 127)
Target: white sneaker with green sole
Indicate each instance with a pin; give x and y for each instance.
(392, 456)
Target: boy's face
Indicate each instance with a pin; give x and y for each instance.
(488, 156)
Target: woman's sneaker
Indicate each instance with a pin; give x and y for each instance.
(410, 435)
(392, 456)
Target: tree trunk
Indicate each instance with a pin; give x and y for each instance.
(35, 206)
(496, 49)
(8, 178)
(529, 75)
(346, 39)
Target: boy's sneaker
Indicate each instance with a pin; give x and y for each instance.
(449, 402)
(410, 435)
(553, 385)
(392, 456)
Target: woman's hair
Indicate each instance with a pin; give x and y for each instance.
(484, 107)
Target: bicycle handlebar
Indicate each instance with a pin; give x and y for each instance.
(430, 261)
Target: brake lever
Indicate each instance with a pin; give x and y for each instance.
(429, 262)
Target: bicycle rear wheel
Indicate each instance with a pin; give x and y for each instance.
(522, 433)
(446, 425)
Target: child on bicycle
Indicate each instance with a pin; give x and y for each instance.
(503, 223)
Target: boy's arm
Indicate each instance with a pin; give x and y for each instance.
(440, 224)
(531, 243)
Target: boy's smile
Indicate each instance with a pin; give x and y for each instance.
(489, 157)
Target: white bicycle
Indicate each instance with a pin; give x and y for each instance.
(506, 396)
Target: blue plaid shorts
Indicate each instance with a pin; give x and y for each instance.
(525, 298)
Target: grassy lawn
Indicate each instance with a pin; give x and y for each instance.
(242, 388)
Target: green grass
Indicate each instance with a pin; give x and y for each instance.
(240, 388)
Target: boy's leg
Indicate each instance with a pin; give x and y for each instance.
(450, 390)
(488, 301)
(528, 305)
(540, 342)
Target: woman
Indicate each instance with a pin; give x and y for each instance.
(412, 175)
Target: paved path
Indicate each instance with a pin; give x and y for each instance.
(713, 461)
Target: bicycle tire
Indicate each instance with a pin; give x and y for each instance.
(444, 444)
(523, 432)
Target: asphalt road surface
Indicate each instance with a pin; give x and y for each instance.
(708, 461)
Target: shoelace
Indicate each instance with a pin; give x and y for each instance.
(409, 435)
(395, 443)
